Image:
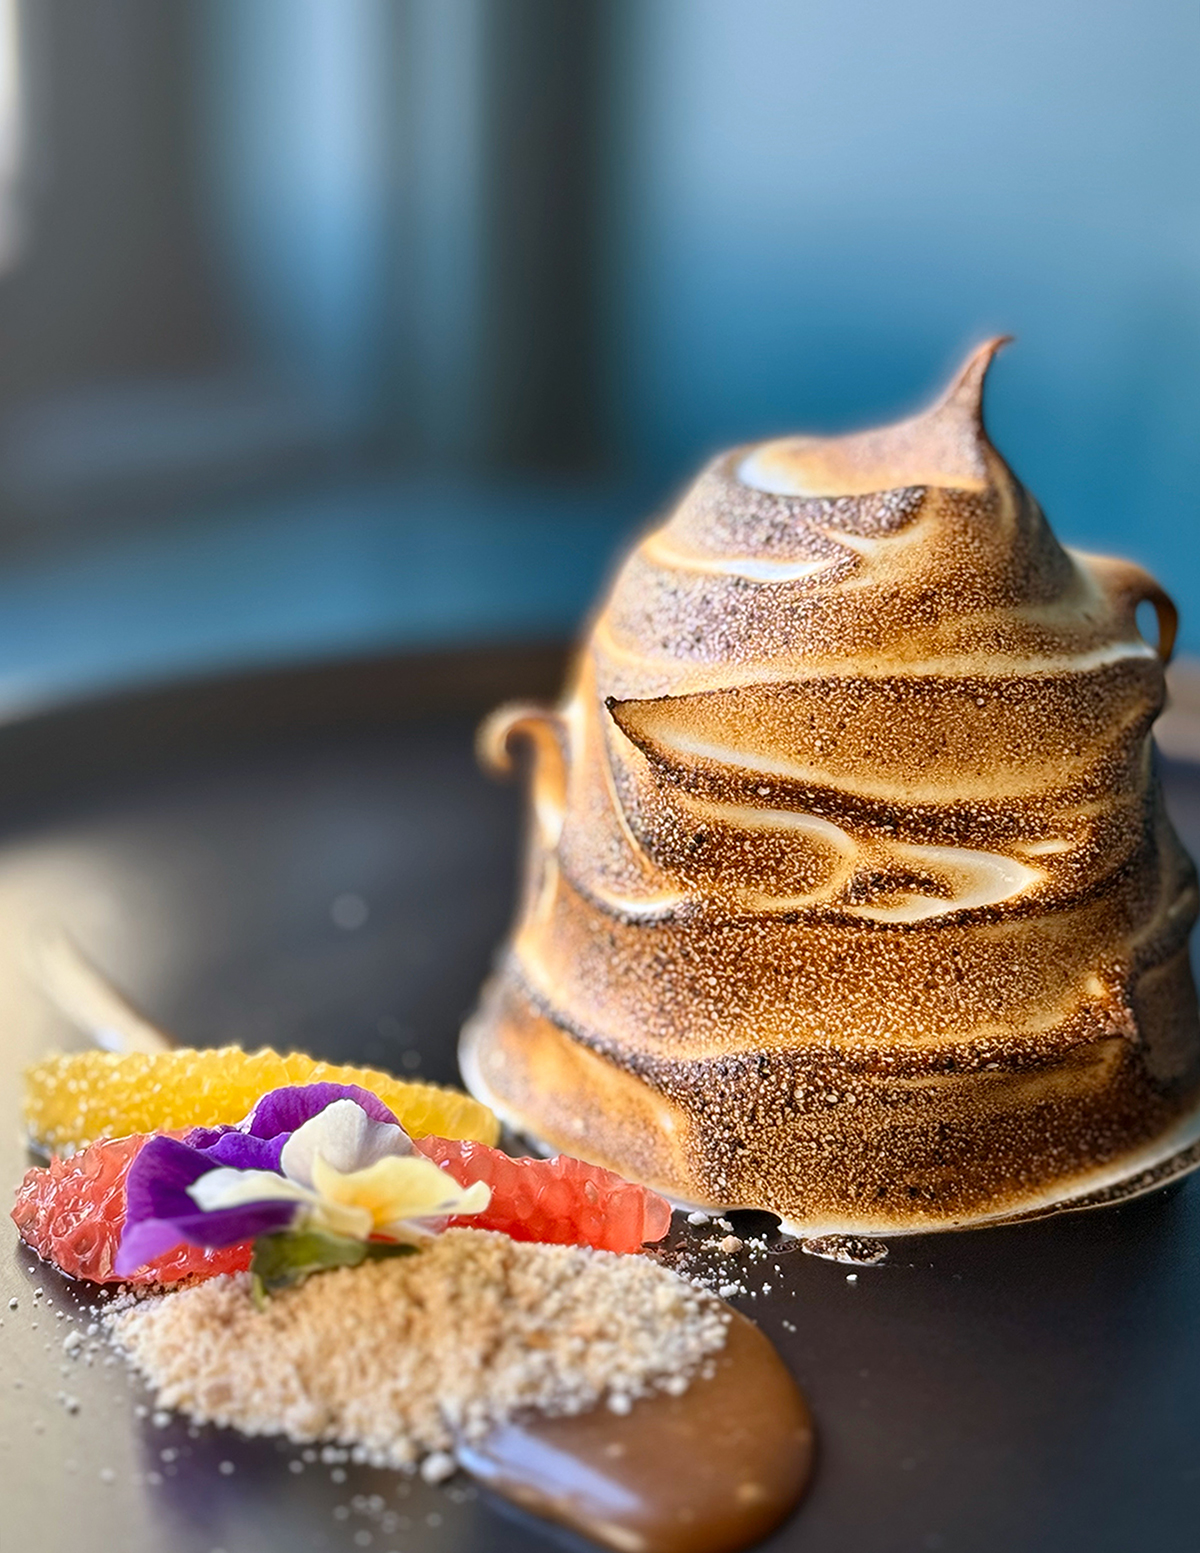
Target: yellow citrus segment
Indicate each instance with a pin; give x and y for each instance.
(71, 1100)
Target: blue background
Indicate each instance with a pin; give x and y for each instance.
(249, 282)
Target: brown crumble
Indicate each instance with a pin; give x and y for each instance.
(402, 1358)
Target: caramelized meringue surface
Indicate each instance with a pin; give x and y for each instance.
(850, 892)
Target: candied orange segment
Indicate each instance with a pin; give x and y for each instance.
(73, 1099)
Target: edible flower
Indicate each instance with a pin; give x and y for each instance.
(321, 1171)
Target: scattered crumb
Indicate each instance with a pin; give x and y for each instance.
(437, 1466)
(402, 1357)
(846, 1248)
(731, 1245)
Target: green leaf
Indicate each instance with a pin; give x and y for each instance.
(381, 1250)
(283, 1260)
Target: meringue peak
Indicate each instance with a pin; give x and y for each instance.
(944, 447)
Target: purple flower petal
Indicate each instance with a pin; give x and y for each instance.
(284, 1110)
(232, 1146)
(226, 1226)
(160, 1214)
(157, 1183)
(205, 1137)
(142, 1242)
(243, 1152)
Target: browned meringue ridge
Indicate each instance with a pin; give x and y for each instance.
(850, 891)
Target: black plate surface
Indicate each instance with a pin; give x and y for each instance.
(1025, 1388)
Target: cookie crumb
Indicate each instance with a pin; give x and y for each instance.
(425, 1350)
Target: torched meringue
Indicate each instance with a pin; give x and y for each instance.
(850, 890)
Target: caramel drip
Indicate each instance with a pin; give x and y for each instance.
(711, 1471)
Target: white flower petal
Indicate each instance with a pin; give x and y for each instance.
(229, 1188)
(381, 1140)
(410, 1232)
(345, 1137)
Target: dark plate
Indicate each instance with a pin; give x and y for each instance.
(1022, 1388)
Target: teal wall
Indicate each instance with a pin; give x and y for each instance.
(824, 202)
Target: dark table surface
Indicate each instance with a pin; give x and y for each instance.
(1026, 1388)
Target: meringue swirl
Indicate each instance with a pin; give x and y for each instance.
(850, 890)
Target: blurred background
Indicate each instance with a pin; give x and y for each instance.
(334, 326)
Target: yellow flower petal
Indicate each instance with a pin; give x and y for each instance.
(341, 1219)
(226, 1187)
(397, 1188)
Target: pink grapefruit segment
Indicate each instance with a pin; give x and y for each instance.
(72, 1214)
(559, 1200)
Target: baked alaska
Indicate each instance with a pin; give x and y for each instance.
(850, 891)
